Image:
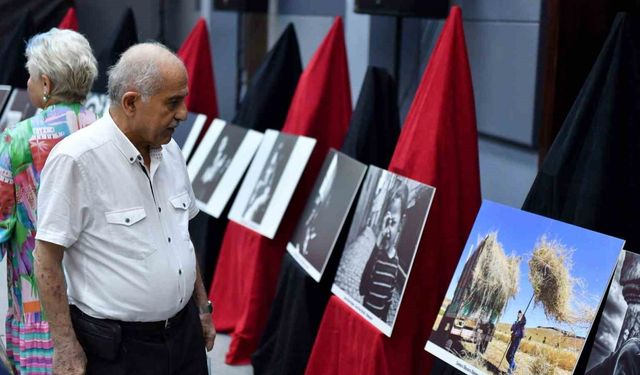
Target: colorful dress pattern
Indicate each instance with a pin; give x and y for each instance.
(23, 150)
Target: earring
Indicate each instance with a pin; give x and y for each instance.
(45, 97)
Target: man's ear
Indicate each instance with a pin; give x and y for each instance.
(129, 102)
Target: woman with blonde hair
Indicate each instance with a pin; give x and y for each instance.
(62, 69)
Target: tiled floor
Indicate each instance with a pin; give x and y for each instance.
(216, 359)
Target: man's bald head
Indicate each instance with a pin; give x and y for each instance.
(141, 68)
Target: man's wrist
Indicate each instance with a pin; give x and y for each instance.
(206, 308)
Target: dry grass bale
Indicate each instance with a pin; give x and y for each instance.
(494, 281)
(549, 274)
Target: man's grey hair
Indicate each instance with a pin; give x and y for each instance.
(138, 69)
(65, 57)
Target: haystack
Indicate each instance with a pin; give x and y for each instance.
(494, 281)
(549, 274)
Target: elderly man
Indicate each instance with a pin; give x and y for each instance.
(114, 205)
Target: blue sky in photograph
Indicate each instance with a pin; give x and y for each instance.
(594, 257)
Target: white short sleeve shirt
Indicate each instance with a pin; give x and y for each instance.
(128, 253)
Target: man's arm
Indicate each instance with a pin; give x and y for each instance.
(200, 296)
(69, 358)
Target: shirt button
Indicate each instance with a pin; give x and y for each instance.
(130, 159)
(159, 209)
(184, 205)
(180, 300)
(169, 239)
(139, 157)
(179, 272)
(127, 220)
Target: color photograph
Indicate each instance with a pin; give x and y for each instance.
(325, 212)
(271, 181)
(218, 164)
(524, 295)
(381, 246)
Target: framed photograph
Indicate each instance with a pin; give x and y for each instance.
(219, 162)
(18, 108)
(325, 212)
(186, 134)
(5, 91)
(381, 246)
(617, 344)
(270, 182)
(524, 294)
(98, 103)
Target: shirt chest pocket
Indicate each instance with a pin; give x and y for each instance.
(180, 204)
(130, 233)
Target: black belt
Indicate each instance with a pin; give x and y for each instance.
(150, 327)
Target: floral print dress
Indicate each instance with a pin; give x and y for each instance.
(23, 151)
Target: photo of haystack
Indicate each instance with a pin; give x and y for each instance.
(524, 295)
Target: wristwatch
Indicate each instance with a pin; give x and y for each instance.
(206, 309)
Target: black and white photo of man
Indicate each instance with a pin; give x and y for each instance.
(323, 217)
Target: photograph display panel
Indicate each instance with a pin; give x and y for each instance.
(381, 246)
(98, 103)
(218, 164)
(271, 181)
(524, 295)
(18, 108)
(325, 212)
(617, 342)
(5, 91)
(186, 134)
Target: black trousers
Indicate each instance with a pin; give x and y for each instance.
(158, 348)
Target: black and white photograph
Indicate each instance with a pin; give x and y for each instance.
(381, 246)
(98, 103)
(4, 95)
(617, 343)
(186, 134)
(325, 212)
(219, 162)
(270, 182)
(18, 107)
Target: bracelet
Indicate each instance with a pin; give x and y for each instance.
(206, 309)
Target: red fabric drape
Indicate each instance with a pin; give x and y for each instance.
(70, 20)
(437, 146)
(196, 55)
(247, 273)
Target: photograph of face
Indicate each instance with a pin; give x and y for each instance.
(381, 245)
(98, 103)
(218, 164)
(270, 182)
(325, 212)
(18, 108)
(617, 343)
(524, 294)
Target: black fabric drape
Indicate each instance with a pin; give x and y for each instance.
(591, 175)
(300, 301)
(126, 35)
(264, 106)
(12, 58)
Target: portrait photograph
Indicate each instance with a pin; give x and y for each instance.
(18, 107)
(524, 295)
(271, 181)
(218, 164)
(381, 245)
(617, 343)
(186, 134)
(326, 210)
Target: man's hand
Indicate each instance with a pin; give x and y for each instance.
(69, 358)
(208, 330)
